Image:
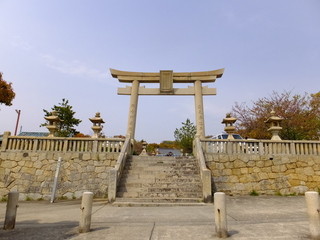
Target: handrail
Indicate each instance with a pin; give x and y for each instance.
(116, 172)
(199, 154)
(205, 173)
(261, 147)
(123, 155)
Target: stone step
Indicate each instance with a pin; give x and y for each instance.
(159, 195)
(160, 185)
(152, 174)
(159, 161)
(152, 189)
(177, 179)
(152, 202)
(161, 166)
(158, 179)
(162, 158)
(164, 166)
(160, 174)
(132, 180)
(163, 169)
(165, 180)
(161, 200)
(155, 204)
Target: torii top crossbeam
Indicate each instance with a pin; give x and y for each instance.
(177, 77)
(166, 78)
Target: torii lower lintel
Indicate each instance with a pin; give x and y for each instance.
(166, 78)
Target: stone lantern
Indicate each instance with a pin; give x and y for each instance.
(229, 128)
(274, 125)
(144, 151)
(97, 127)
(53, 120)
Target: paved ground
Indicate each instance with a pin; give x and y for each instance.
(261, 217)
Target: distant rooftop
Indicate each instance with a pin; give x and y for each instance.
(166, 151)
(34, 134)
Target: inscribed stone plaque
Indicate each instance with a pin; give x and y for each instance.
(166, 81)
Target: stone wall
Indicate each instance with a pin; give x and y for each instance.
(32, 173)
(264, 174)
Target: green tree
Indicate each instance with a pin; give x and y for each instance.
(6, 92)
(137, 147)
(151, 148)
(169, 144)
(300, 113)
(184, 136)
(66, 114)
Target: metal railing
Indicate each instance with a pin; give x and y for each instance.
(261, 147)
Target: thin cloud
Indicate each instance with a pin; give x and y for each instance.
(73, 67)
(19, 43)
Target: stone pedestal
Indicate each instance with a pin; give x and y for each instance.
(97, 127)
(54, 121)
(274, 126)
(144, 151)
(229, 128)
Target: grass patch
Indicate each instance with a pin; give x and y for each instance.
(28, 198)
(292, 194)
(4, 199)
(254, 193)
(63, 198)
(278, 193)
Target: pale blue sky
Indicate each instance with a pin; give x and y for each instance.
(59, 49)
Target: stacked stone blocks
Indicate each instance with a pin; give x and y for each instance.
(265, 174)
(32, 173)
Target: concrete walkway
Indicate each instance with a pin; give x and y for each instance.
(261, 217)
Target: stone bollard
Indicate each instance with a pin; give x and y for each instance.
(313, 210)
(86, 210)
(220, 214)
(11, 212)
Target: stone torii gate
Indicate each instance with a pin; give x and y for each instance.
(166, 78)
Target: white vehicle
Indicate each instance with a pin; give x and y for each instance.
(245, 147)
(225, 136)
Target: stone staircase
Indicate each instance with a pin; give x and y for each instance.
(160, 181)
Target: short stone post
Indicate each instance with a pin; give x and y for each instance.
(86, 211)
(112, 186)
(11, 212)
(220, 214)
(206, 182)
(313, 210)
(5, 140)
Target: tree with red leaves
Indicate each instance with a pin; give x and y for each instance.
(6, 92)
(300, 113)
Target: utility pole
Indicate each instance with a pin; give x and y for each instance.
(18, 118)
